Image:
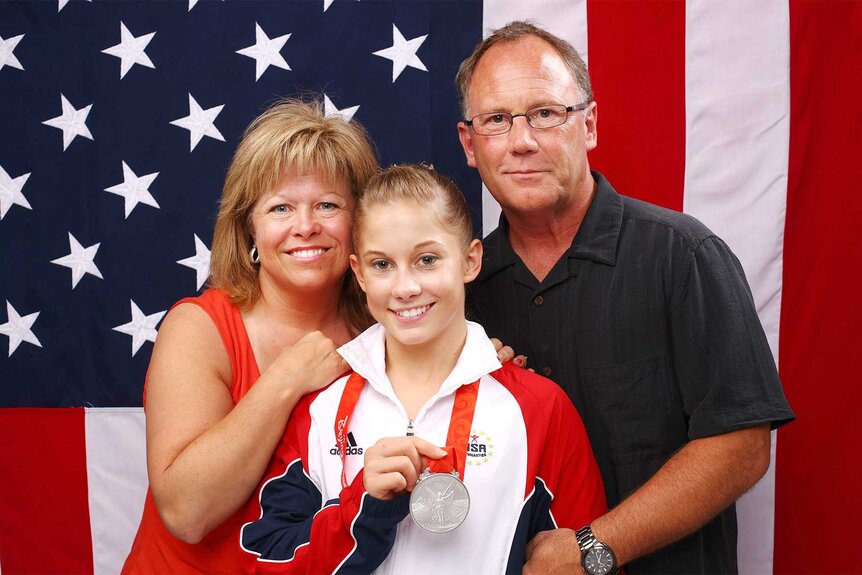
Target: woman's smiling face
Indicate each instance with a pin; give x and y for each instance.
(302, 232)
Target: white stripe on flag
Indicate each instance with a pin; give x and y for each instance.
(737, 141)
(117, 482)
(567, 19)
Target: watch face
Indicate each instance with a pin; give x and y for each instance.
(599, 561)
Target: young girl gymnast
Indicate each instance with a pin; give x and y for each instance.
(430, 457)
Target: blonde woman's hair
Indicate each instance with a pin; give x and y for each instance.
(291, 135)
(424, 185)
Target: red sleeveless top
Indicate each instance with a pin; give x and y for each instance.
(155, 550)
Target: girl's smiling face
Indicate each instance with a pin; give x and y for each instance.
(413, 271)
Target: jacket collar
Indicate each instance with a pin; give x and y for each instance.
(366, 355)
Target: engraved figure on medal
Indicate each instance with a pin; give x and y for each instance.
(440, 501)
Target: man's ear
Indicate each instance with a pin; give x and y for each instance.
(591, 121)
(473, 261)
(466, 137)
(357, 271)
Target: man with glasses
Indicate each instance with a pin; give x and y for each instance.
(640, 313)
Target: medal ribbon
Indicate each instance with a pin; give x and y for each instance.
(456, 439)
(349, 397)
(458, 436)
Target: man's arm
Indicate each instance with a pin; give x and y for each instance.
(692, 487)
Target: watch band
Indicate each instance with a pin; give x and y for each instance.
(585, 538)
(587, 542)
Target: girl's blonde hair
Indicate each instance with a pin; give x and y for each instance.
(424, 185)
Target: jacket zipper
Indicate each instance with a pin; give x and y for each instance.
(410, 428)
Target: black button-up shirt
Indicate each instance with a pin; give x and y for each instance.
(648, 324)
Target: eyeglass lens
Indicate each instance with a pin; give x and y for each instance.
(501, 122)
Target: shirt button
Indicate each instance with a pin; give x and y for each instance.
(538, 300)
(547, 371)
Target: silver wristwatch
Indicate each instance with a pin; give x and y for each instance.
(596, 557)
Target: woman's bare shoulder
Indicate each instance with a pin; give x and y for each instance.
(188, 339)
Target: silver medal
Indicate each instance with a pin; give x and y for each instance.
(439, 502)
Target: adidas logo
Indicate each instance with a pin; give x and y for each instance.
(352, 449)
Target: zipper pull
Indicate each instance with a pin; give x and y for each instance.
(410, 428)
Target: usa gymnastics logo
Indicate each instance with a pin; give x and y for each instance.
(480, 448)
(352, 449)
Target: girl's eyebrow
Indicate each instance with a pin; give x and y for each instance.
(420, 246)
(428, 244)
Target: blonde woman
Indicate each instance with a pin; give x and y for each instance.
(229, 366)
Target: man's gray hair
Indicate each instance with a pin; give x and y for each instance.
(512, 32)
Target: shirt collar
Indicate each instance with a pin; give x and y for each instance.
(596, 239)
(599, 233)
(366, 355)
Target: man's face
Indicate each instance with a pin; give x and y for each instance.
(528, 170)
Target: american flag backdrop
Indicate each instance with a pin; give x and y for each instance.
(118, 120)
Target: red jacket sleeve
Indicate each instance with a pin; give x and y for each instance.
(570, 469)
(564, 486)
(292, 530)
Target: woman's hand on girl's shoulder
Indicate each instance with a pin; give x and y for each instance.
(311, 363)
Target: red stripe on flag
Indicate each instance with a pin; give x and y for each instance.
(818, 500)
(637, 65)
(45, 526)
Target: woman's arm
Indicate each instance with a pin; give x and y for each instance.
(205, 456)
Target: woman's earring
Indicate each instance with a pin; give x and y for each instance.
(255, 256)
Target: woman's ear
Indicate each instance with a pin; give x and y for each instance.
(250, 224)
(357, 271)
(473, 261)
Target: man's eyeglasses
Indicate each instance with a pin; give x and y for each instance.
(541, 117)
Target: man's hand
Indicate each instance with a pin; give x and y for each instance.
(553, 552)
(506, 353)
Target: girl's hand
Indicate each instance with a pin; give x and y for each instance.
(393, 465)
